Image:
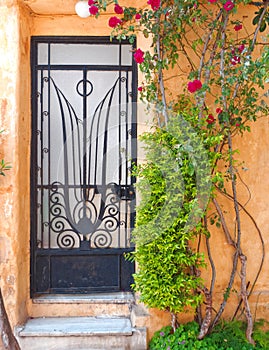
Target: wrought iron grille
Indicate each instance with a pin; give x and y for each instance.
(83, 148)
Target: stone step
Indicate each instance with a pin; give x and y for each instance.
(84, 333)
(110, 304)
(61, 326)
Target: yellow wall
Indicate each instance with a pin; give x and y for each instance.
(17, 25)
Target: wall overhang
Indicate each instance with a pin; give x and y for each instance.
(51, 7)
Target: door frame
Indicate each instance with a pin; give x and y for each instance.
(50, 258)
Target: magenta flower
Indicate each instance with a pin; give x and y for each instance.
(137, 16)
(93, 10)
(238, 27)
(155, 4)
(140, 88)
(91, 2)
(228, 6)
(194, 85)
(219, 110)
(241, 48)
(235, 60)
(118, 9)
(212, 1)
(210, 119)
(113, 22)
(139, 56)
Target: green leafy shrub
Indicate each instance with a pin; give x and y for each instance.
(226, 336)
(168, 184)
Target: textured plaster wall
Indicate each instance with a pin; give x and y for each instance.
(17, 25)
(15, 142)
(9, 115)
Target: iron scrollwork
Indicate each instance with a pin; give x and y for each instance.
(83, 207)
(94, 220)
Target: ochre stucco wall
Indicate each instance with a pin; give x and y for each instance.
(17, 25)
(14, 188)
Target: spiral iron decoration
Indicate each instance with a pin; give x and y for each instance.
(66, 240)
(101, 239)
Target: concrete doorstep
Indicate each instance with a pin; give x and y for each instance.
(81, 333)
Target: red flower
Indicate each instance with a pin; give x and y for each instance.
(140, 88)
(137, 16)
(210, 119)
(194, 85)
(139, 56)
(93, 10)
(212, 1)
(219, 110)
(113, 22)
(228, 6)
(91, 2)
(155, 4)
(241, 48)
(118, 9)
(238, 27)
(235, 60)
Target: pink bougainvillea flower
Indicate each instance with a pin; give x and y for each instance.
(139, 56)
(235, 60)
(140, 88)
(237, 124)
(93, 10)
(219, 110)
(238, 27)
(228, 6)
(194, 85)
(137, 16)
(210, 119)
(155, 4)
(118, 9)
(241, 48)
(113, 22)
(212, 1)
(91, 2)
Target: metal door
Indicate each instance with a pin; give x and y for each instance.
(83, 150)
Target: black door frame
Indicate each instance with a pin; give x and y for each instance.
(49, 266)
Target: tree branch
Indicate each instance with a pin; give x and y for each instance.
(7, 338)
(208, 314)
(266, 4)
(244, 296)
(259, 233)
(223, 224)
(160, 81)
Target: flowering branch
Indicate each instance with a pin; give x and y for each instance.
(160, 80)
